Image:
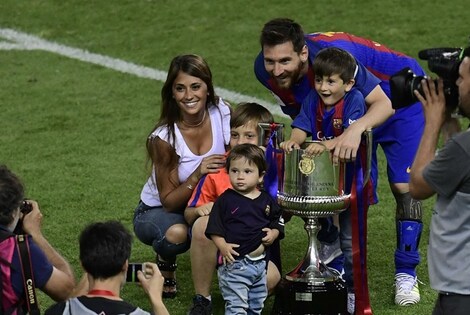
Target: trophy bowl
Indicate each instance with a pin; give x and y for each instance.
(312, 186)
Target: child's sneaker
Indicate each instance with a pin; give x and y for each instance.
(201, 306)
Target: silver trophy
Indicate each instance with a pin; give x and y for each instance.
(312, 188)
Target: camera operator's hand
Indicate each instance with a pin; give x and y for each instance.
(434, 103)
(32, 221)
(152, 280)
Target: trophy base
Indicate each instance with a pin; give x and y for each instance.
(304, 298)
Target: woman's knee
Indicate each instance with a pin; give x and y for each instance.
(168, 251)
(177, 234)
(175, 242)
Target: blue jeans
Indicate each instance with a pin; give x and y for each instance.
(243, 286)
(150, 226)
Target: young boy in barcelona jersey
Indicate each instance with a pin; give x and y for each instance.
(332, 107)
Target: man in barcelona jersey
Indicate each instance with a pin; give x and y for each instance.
(284, 66)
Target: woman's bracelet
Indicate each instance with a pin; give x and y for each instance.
(189, 185)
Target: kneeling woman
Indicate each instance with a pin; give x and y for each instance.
(188, 141)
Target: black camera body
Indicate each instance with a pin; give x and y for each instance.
(444, 62)
(25, 208)
(132, 270)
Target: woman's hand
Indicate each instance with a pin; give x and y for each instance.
(211, 164)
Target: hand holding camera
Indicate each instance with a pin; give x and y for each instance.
(31, 218)
(434, 102)
(151, 279)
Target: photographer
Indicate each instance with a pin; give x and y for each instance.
(105, 248)
(446, 174)
(51, 273)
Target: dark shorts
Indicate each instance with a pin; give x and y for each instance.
(399, 138)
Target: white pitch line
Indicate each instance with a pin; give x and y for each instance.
(23, 41)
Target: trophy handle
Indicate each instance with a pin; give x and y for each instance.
(265, 130)
(369, 145)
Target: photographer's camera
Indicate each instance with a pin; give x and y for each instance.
(25, 208)
(442, 61)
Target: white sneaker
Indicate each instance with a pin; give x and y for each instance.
(406, 289)
(351, 303)
(328, 252)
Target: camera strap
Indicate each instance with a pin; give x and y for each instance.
(29, 286)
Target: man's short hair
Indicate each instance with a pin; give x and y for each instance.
(281, 30)
(104, 248)
(11, 194)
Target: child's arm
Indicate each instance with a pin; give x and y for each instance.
(226, 249)
(297, 137)
(191, 214)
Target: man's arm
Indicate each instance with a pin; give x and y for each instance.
(434, 112)
(380, 109)
(61, 283)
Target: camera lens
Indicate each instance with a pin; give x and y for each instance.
(402, 86)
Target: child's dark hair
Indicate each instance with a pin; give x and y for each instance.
(332, 60)
(253, 153)
(253, 112)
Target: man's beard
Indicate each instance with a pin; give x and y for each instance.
(292, 78)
